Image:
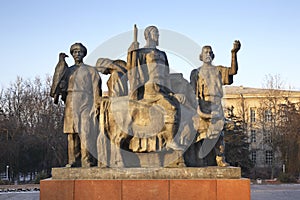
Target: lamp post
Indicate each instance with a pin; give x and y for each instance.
(7, 172)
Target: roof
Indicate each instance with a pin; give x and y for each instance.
(248, 91)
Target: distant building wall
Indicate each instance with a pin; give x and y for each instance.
(250, 103)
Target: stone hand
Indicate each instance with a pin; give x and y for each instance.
(236, 46)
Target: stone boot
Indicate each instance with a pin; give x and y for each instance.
(220, 157)
(221, 161)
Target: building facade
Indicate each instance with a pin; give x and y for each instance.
(263, 111)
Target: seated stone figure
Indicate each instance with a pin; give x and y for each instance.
(149, 81)
(130, 124)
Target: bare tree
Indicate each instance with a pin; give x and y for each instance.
(290, 137)
(277, 120)
(32, 127)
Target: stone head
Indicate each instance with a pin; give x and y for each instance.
(151, 34)
(78, 51)
(207, 55)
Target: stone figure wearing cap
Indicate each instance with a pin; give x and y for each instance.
(80, 88)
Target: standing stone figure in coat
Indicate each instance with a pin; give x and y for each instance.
(80, 88)
(207, 82)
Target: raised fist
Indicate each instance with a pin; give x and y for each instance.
(236, 46)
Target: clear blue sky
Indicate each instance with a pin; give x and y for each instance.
(34, 32)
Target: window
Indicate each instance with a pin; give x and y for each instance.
(268, 115)
(253, 156)
(269, 157)
(252, 114)
(268, 137)
(253, 136)
(283, 112)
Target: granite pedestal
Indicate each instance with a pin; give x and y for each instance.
(145, 183)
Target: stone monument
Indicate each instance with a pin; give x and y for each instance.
(207, 82)
(152, 133)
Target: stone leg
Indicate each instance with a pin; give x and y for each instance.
(74, 154)
(103, 148)
(151, 144)
(169, 138)
(116, 159)
(88, 145)
(193, 155)
(220, 152)
(143, 146)
(134, 144)
(172, 119)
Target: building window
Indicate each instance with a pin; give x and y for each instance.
(253, 156)
(269, 157)
(252, 114)
(283, 112)
(268, 137)
(268, 115)
(253, 136)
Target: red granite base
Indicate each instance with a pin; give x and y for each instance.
(167, 189)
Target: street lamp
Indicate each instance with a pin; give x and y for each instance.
(7, 172)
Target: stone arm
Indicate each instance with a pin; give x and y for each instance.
(103, 70)
(234, 63)
(97, 91)
(103, 65)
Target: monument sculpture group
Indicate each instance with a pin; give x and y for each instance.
(149, 117)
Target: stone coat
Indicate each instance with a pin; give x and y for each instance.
(83, 96)
(148, 65)
(207, 83)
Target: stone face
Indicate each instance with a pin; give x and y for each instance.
(147, 173)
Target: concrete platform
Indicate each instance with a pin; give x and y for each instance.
(147, 173)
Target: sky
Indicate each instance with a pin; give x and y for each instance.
(33, 33)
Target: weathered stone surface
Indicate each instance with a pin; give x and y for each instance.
(160, 120)
(147, 173)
